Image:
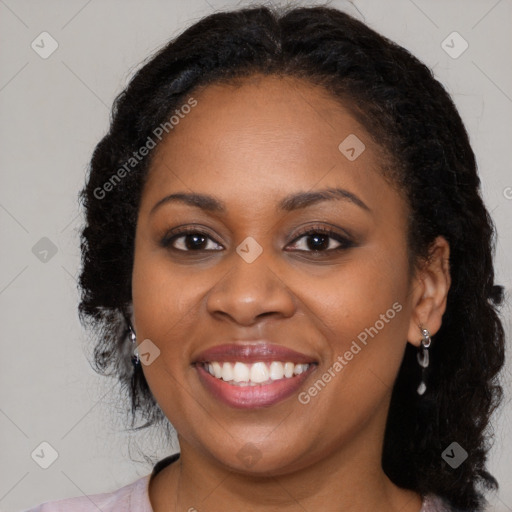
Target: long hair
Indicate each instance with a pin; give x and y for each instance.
(411, 116)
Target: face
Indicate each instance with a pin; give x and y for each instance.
(281, 247)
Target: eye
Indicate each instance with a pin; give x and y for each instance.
(315, 239)
(319, 239)
(189, 240)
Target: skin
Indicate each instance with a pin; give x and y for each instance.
(249, 146)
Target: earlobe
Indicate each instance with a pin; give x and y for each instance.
(431, 286)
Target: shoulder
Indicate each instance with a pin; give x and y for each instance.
(131, 497)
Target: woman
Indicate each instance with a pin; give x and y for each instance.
(285, 219)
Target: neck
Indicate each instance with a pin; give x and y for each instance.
(351, 478)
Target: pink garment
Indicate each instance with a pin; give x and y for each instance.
(134, 497)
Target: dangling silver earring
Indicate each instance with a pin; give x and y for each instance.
(135, 355)
(423, 359)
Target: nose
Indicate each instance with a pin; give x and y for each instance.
(249, 292)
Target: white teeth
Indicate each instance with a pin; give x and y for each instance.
(299, 368)
(227, 372)
(217, 370)
(276, 370)
(288, 370)
(241, 372)
(257, 373)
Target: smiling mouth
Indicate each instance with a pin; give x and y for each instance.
(252, 374)
(253, 386)
(255, 374)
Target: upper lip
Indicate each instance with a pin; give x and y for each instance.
(252, 352)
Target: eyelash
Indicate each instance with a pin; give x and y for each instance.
(345, 242)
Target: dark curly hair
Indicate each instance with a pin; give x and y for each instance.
(412, 118)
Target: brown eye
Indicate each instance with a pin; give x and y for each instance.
(189, 240)
(321, 240)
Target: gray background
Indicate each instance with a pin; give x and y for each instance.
(54, 111)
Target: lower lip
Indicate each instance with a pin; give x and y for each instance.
(251, 397)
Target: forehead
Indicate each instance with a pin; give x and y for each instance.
(262, 135)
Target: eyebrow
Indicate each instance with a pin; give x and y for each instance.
(289, 203)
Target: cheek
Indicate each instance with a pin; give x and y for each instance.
(165, 305)
(353, 297)
(168, 304)
(162, 294)
(363, 313)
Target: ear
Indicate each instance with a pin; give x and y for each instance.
(430, 291)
